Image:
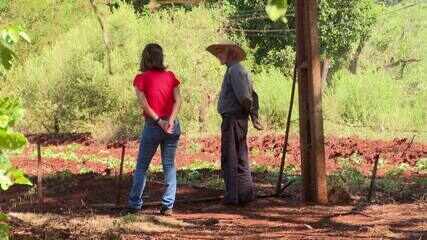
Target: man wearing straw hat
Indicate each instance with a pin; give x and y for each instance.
(235, 104)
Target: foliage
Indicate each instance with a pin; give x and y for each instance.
(348, 176)
(274, 95)
(341, 24)
(392, 182)
(9, 37)
(276, 9)
(67, 88)
(47, 19)
(371, 99)
(67, 154)
(10, 113)
(421, 165)
(397, 47)
(344, 23)
(397, 171)
(196, 171)
(4, 227)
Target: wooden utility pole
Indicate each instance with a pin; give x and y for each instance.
(310, 103)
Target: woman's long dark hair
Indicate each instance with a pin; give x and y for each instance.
(152, 58)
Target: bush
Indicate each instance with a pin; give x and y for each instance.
(342, 23)
(274, 92)
(47, 19)
(67, 87)
(421, 165)
(374, 99)
(349, 176)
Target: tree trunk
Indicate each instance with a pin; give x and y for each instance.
(324, 66)
(105, 35)
(203, 113)
(355, 59)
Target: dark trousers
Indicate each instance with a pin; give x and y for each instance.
(255, 106)
(239, 188)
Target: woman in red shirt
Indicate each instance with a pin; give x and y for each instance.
(159, 97)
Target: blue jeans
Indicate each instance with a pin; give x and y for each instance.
(153, 136)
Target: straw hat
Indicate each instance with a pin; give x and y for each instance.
(215, 49)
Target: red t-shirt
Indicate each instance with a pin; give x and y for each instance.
(158, 87)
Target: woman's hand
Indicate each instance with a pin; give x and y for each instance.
(163, 124)
(171, 126)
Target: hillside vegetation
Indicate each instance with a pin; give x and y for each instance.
(64, 84)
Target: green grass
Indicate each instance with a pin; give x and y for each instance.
(348, 176)
(421, 165)
(109, 161)
(63, 82)
(68, 154)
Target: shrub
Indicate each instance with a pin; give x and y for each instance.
(349, 175)
(342, 23)
(422, 165)
(274, 92)
(67, 88)
(376, 100)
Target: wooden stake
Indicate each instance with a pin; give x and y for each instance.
(373, 177)
(285, 144)
(39, 174)
(119, 182)
(310, 103)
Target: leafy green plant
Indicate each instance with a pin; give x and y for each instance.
(393, 181)
(155, 168)
(199, 164)
(9, 37)
(397, 171)
(421, 165)
(259, 168)
(68, 154)
(215, 182)
(10, 113)
(342, 24)
(194, 147)
(85, 170)
(352, 102)
(276, 9)
(111, 162)
(4, 227)
(349, 175)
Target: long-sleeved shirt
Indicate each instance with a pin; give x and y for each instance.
(236, 91)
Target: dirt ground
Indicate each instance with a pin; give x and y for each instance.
(264, 150)
(70, 211)
(74, 203)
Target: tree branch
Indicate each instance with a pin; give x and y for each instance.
(105, 35)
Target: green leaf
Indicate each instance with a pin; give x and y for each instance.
(4, 163)
(6, 55)
(3, 217)
(276, 9)
(4, 231)
(12, 108)
(5, 181)
(4, 121)
(25, 36)
(18, 177)
(23, 181)
(8, 38)
(11, 140)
